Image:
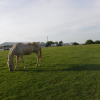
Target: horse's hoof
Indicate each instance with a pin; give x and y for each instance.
(11, 70)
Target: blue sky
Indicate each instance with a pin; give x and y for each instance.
(34, 20)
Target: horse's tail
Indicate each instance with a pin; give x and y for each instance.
(40, 58)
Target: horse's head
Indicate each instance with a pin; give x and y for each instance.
(10, 65)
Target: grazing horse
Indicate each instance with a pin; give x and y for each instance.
(20, 49)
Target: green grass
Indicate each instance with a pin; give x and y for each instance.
(66, 73)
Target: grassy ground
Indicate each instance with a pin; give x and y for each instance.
(66, 73)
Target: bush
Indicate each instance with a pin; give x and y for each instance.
(89, 42)
(97, 42)
(75, 43)
(60, 42)
(49, 43)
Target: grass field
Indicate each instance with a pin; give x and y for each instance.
(66, 73)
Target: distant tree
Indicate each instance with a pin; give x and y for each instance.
(97, 42)
(89, 42)
(39, 42)
(60, 42)
(49, 43)
(75, 43)
(56, 42)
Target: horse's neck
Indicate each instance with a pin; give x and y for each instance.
(10, 57)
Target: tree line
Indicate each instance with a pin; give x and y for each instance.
(51, 42)
(89, 42)
(74, 43)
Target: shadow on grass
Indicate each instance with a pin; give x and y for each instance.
(84, 67)
(69, 67)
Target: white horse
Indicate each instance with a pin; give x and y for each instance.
(20, 49)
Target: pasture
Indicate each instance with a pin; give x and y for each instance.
(66, 73)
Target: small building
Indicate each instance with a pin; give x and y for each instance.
(71, 43)
(54, 45)
(67, 44)
(42, 44)
(6, 45)
(63, 44)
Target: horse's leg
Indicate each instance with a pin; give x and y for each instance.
(23, 62)
(37, 54)
(16, 62)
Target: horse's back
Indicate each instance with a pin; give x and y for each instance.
(36, 46)
(25, 49)
(22, 49)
